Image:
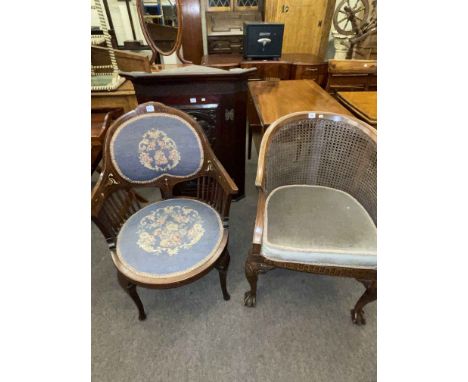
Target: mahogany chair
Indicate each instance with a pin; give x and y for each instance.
(171, 242)
(317, 206)
(351, 75)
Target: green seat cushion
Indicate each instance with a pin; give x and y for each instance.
(318, 225)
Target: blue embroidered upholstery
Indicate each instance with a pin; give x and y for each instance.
(150, 146)
(170, 237)
(318, 225)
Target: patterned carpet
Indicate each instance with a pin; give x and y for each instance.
(300, 330)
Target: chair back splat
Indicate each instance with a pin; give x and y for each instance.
(156, 146)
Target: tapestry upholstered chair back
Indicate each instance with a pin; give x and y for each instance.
(156, 146)
(150, 146)
(322, 149)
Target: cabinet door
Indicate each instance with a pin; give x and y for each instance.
(219, 5)
(306, 23)
(246, 5)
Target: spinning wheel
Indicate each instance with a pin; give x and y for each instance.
(349, 12)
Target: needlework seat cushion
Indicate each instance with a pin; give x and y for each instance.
(170, 238)
(318, 225)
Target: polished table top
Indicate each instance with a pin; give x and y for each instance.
(275, 99)
(363, 104)
(125, 89)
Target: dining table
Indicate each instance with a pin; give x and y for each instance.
(363, 104)
(273, 99)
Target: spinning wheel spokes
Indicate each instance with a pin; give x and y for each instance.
(349, 11)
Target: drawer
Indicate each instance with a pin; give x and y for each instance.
(268, 70)
(225, 44)
(315, 72)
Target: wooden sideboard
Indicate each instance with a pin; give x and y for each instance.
(291, 66)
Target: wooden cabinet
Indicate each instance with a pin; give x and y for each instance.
(225, 29)
(217, 101)
(306, 23)
(290, 66)
(268, 70)
(123, 97)
(232, 5)
(225, 44)
(246, 5)
(219, 5)
(314, 72)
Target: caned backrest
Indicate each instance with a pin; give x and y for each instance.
(325, 149)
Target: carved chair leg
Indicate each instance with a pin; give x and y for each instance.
(130, 289)
(222, 266)
(357, 314)
(251, 273)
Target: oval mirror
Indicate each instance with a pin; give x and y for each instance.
(161, 23)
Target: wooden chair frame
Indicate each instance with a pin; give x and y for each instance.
(256, 263)
(113, 201)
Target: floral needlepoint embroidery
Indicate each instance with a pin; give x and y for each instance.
(157, 151)
(170, 229)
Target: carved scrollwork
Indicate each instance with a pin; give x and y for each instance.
(209, 166)
(254, 264)
(111, 180)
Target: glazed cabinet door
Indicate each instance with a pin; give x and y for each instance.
(219, 5)
(246, 5)
(306, 23)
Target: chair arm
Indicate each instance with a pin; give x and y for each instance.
(111, 206)
(224, 179)
(259, 219)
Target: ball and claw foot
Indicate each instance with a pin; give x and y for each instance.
(358, 317)
(250, 299)
(226, 296)
(142, 316)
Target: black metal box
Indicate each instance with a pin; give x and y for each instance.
(263, 40)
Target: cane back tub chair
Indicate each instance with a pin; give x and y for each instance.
(174, 241)
(317, 208)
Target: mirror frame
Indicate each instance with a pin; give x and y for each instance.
(155, 50)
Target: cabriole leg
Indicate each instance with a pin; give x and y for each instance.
(222, 266)
(130, 289)
(357, 314)
(251, 273)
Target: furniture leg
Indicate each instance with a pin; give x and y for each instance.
(249, 143)
(130, 289)
(222, 266)
(253, 267)
(357, 314)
